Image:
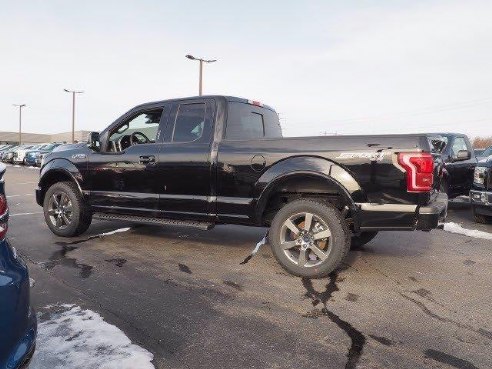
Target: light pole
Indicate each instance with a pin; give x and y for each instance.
(73, 92)
(20, 106)
(201, 60)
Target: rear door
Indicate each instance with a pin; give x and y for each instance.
(185, 169)
(242, 159)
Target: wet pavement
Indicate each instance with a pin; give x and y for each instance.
(407, 300)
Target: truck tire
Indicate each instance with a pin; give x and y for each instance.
(309, 238)
(480, 218)
(360, 240)
(64, 210)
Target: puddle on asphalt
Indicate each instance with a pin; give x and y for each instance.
(60, 258)
(382, 340)
(234, 285)
(448, 359)
(119, 262)
(358, 339)
(185, 268)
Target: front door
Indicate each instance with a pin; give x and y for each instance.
(122, 178)
(461, 172)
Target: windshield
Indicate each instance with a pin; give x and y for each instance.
(487, 152)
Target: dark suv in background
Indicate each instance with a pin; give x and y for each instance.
(459, 164)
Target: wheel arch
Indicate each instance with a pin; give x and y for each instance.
(58, 170)
(307, 177)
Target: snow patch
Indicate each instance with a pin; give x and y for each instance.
(262, 242)
(120, 230)
(457, 228)
(73, 338)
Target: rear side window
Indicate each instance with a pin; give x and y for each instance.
(249, 122)
(190, 122)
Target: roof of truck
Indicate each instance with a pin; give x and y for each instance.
(226, 97)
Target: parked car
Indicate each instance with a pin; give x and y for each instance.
(18, 325)
(20, 153)
(8, 155)
(484, 154)
(34, 157)
(5, 147)
(481, 193)
(222, 160)
(459, 163)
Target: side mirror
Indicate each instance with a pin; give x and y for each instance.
(462, 155)
(93, 141)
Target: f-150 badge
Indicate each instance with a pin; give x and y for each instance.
(79, 156)
(372, 156)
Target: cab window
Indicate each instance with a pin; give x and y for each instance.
(249, 122)
(189, 123)
(140, 129)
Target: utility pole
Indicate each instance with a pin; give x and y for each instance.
(200, 78)
(20, 106)
(73, 92)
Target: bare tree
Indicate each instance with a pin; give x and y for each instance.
(482, 142)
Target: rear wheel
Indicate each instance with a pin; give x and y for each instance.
(309, 238)
(64, 210)
(360, 240)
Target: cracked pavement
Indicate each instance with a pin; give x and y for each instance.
(407, 300)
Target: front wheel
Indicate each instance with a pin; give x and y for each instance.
(64, 210)
(480, 218)
(309, 238)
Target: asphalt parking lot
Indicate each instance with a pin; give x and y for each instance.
(407, 300)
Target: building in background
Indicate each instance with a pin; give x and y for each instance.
(13, 137)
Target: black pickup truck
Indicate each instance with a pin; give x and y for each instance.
(481, 192)
(459, 163)
(211, 160)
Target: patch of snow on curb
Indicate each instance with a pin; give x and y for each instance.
(457, 228)
(74, 338)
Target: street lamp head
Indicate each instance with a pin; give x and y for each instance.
(190, 57)
(210, 61)
(73, 91)
(19, 105)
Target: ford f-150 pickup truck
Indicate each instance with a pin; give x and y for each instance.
(211, 160)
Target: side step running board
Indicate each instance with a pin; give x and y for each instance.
(154, 221)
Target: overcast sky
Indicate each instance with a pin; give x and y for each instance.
(341, 67)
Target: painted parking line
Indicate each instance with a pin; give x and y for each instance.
(20, 214)
(26, 194)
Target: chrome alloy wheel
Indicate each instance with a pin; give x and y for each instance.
(305, 239)
(60, 210)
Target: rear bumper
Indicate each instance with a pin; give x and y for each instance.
(403, 217)
(433, 216)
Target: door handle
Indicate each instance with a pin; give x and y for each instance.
(147, 159)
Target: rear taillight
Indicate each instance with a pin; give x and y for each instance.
(420, 171)
(3, 217)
